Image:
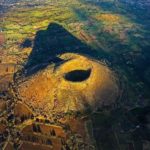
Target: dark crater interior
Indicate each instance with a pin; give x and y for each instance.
(77, 75)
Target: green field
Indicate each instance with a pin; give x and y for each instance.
(108, 30)
(113, 31)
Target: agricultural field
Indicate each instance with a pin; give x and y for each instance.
(108, 30)
(48, 87)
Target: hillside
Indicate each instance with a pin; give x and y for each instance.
(74, 74)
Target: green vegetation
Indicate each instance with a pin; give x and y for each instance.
(110, 27)
(117, 32)
(114, 32)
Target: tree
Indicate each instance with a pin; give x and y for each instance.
(34, 128)
(48, 142)
(38, 128)
(52, 132)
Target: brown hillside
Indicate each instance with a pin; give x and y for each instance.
(75, 85)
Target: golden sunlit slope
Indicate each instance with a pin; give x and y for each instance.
(78, 84)
(7, 71)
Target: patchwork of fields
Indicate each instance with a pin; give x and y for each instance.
(35, 34)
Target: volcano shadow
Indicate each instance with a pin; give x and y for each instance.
(51, 42)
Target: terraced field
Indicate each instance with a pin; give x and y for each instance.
(53, 60)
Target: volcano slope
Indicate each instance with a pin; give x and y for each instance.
(74, 85)
(51, 108)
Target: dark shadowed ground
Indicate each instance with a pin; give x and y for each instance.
(51, 42)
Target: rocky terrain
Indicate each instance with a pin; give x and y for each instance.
(74, 75)
(51, 109)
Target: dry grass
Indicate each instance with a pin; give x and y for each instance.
(5, 82)
(34, 146)
(2, 105)
(2, 39)
(22, 110)
(111, 19)
(42, 137)
(49, 91)
(2, 128)
(45, 130)
(7, 69)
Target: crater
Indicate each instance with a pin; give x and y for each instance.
(77, 75)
